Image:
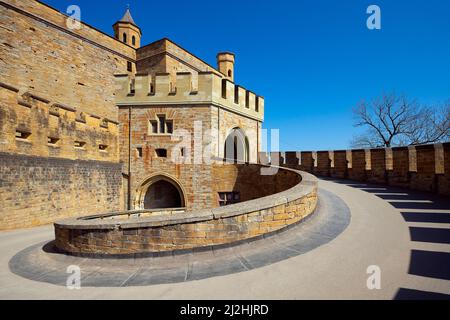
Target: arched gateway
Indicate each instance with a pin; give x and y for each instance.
(160, 192)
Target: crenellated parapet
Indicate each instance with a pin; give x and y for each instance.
(187, 88)
(422, 167)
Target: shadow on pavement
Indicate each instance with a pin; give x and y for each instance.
(417, 207)
(410, 294)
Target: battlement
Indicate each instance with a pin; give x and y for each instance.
(188, 88)
(422, 167)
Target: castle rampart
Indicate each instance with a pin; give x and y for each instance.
(423, 167)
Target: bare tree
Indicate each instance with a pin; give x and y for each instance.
(393, 120)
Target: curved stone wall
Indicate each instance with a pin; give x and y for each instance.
(124, 233)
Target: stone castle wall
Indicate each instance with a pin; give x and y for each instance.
(164, 56)
(39, 190)
(33, 125)
(195, 179)
(58, 119)
(38, 53)
(42, 180)
(425, 167)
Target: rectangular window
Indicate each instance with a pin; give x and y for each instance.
(154, 126)
(236, 94)
(169, 127)
(161, 153)
(139, 151)
(132, 86)
(79, 144)
(162, 124)
(247, 99)
(152, 88)
(257, 104)
(22, 134)
(227, 198)
(52, 141)
(129, 66)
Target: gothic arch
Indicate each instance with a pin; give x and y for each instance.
(160, 191)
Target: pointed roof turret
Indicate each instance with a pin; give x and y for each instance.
(127, 31)
(127, 17)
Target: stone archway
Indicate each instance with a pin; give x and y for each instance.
(236, 146)
(160, 192)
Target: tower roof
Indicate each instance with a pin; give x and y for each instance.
(127, 17)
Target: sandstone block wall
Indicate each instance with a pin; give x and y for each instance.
(424, 167)
(323, 163)
(39, 190)
(400, 174)
(340, 168)
(358, 169)
(40, 120)
(38, 53)
(424, 178)
(378, 172)
(194, 179)
(249, 182)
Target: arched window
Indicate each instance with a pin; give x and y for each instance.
(237, 147)
(124, 37)
(229, 73)
(133, 40)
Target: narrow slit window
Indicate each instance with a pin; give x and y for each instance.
(79, 144)
(169, 127)
(124, 37)
(133, 40)
(236, 94)
(257, 104)
(154, 126)
(53, 141)
(162, 123)
(22, 134)
(139, 151)
(132, 86)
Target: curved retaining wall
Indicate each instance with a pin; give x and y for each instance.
(190, 230)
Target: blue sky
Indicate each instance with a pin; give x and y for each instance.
(312, 60)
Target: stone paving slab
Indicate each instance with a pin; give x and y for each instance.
(331, 218)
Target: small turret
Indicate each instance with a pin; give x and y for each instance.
(127, 31)
(225, 64)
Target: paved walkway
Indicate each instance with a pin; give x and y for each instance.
(406, 234)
